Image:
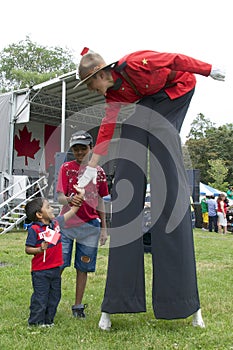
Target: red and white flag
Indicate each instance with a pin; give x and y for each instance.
(51, 236)
(35, 145)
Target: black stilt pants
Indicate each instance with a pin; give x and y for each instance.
(151, 135)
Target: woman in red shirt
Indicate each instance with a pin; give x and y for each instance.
(222, 213)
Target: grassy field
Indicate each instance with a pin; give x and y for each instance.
(214, 255)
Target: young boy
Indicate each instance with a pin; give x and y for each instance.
(88, 227)
(44, 242)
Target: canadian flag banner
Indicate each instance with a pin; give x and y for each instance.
(29, 143)
(51, 236)
(35, 145)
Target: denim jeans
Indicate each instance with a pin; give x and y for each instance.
(46, 296)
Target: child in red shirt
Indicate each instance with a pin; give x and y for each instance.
(44, 242)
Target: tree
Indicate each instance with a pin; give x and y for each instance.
(221, 143)
(218, 173)
(199, 154)
(199, 127)
(211, 144)
(26, 63)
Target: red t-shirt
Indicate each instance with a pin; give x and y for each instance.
(219, 210)
(69, 174)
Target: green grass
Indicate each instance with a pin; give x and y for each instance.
(130, 331)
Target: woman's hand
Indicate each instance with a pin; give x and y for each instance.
(90, 174)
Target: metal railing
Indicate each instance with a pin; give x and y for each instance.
(14, 204)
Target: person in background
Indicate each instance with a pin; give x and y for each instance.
(88, 226)
(230, 193)
(162, 86)
(212, 213)
(227, 202)
(204, 213)
(193, 218)
(44, 243)
(222, 213)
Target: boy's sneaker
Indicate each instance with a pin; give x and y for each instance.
(78, 310)
(105, 322)
(41, 325)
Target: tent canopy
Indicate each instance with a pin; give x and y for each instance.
(206, 190)
(55, 103)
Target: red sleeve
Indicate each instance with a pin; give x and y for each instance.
(156, 60)
(107, 128)
(184, 63)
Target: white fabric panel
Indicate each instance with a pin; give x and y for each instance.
(5, 115)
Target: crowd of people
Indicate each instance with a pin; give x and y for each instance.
(214, 211)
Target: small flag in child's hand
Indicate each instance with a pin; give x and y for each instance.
(51, 236)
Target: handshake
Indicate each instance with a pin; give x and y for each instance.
(90, 174)
(77, 198)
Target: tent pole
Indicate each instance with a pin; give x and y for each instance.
(11, 136)
(63, 117)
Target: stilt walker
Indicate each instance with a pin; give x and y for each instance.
(161, 85)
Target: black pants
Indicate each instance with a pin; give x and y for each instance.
(46, 296)
(154, 126)
(213, 222)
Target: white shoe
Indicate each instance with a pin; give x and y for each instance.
(198, 320)
(105, 322)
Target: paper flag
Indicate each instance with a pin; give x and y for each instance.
(51, 236)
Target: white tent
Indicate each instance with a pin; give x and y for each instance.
(206, 190)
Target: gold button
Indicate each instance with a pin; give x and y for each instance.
(147, 86)
(123, 89)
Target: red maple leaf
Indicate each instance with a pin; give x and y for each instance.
(24, 146)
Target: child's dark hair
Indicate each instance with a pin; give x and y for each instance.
(32, 207)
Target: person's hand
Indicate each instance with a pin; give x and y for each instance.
(44, 245)
(80, 191)
(77, 198)
(217, 74)
(103, 236)
(90, 174)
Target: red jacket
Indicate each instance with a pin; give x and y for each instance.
(150, 72)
